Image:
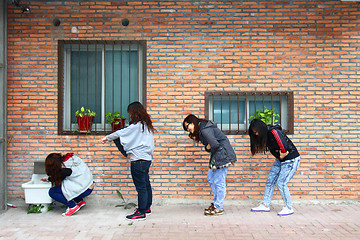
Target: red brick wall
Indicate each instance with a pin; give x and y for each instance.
(311, 48)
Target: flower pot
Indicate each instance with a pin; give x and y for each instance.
(121, 124)
(85, 123)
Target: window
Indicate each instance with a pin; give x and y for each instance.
(103, 76)
(232, 110)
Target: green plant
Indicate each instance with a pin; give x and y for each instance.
(85, 112)
(111, 117)
(33, 208)
(268, 116)
(51, 206)
(125, 204)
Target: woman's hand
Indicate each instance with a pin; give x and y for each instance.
(44, 179)
(208, 147)
(104, 140)
(283, 155)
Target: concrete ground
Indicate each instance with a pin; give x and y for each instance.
(102, 220)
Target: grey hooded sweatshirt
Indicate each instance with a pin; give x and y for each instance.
(222, 153)
(137, 143)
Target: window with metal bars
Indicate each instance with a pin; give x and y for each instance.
(232, 110)
(103, 76)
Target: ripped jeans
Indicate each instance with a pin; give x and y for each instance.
(217, 180)
(281, 173)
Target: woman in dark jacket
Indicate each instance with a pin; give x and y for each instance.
(267, 137)
(222, 155)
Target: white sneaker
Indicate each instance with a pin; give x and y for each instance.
(261, 208)
(285, 211)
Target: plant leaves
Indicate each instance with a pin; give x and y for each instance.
(267, 115)
(129, 205)
(120, 195)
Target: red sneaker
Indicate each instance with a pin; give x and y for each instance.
(71, 211)
(81, 204)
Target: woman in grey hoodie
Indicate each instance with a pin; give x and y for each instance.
(137, 141)
(221, 157)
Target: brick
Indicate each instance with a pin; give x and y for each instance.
(192, 49)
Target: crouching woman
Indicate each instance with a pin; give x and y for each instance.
(71, 180)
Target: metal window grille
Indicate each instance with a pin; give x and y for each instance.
(232, 110)
(103, 76)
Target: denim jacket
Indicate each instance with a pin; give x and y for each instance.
(222, 153)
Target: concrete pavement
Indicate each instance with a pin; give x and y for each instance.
(102, 220)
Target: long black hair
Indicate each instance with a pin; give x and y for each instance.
(53, 165)
(258, 142)
(138, 113)
(195, 120)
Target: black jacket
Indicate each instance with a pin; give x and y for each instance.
(222, 152)
(278, 141)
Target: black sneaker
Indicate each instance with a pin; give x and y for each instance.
(136, 216)
(147, 211)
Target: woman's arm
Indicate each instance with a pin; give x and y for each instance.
(109, 137)
(129, 130)
(279, 140)
(282, 143)
(213, 144)
(65, 172)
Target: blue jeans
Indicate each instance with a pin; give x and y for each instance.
(140, 176)
(281, 173)
(57, 195)
(217, 180)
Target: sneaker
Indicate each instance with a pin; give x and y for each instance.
(148, 211)
(214, 212)
(71, 211)
(136, 216)
(81, 204)
(207, 210)
(285, 211)
(261, 208)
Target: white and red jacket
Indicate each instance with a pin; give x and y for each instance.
(79, 180)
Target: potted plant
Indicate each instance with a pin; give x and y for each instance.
(268, 116)
(116, 120)
(85, 119)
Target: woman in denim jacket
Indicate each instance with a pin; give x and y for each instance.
(222, 155)
(267, 137)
